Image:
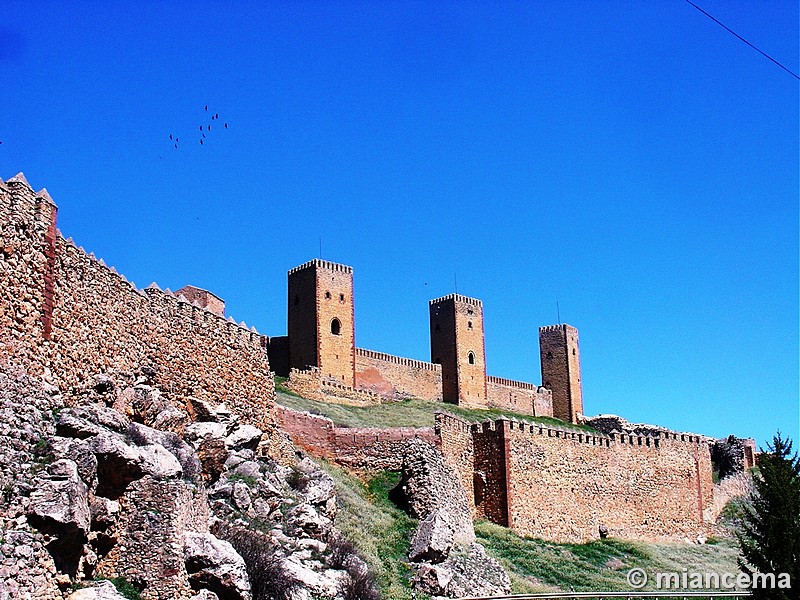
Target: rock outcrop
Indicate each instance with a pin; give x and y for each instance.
(446, 558)
(152, 507)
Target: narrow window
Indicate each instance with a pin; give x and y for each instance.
(327, 295)
(549, 355)
(573, 352)
(341, 297)
(471, 358)
(336, 327)
(469, 324)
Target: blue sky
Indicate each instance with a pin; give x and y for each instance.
(631, 161)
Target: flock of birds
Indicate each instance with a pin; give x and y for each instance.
(204, 128)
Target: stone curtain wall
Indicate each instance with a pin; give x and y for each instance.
(310, 383)
(562, 484)
(518, 396)
(397, 377)
(24, 262)
(101, 322)
(356, 447)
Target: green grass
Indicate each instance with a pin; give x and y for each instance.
(404, 413)
(380, 531)
(539, 566)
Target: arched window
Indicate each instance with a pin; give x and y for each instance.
(336, 327)
(469, 324)
(471, 358)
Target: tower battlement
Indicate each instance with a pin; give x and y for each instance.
(322, 264)
(457, 298)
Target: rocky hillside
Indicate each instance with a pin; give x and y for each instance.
(128, 494)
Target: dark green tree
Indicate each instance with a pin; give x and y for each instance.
(770, 535)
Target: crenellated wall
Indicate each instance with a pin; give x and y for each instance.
(396, 377)
(66, 313)
(356, 447)
(561, 484)
(518, 396)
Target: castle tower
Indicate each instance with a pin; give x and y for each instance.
(321, 320)
(457, 345)
(561, 369)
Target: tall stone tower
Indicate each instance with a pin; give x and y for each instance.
(321, 324)
(457, 344)
(561, 369)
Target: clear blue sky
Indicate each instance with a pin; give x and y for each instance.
(632, 161)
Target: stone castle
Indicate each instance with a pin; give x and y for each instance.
(321, 336)
(65, 315)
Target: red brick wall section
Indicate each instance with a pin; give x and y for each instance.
(312, 433)
(562, 484)
(518, 396)
(360, 448)
(203, 298)
(396, 377)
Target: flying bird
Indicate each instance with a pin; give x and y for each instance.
(226, 125)
(201, 141)
(170, 136)
(206, 107)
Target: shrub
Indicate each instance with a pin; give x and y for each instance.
(268, 579)
(360, 586)
(340, 550)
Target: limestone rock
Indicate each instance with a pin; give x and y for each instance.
(303, 519)
(197, 432)
(214, 564)
(101, 590)
(429, 485)
(59, 507)
(468, 571)
(432, 540)
(244, 436)
(205, 595)
(118, 463)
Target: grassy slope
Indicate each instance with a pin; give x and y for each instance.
(538, 566)
(382, 532)
(404, 413)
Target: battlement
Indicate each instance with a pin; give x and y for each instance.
(559, 327)
(398, 360)
(512, 383)
(457, 298)
(322, 264)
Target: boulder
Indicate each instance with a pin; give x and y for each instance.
(100, 590)
(468, 571)
(143, 435)
(303, 520)
(432, 540)
(429, 485)
(59, 507)
(118, 463)
(214, 564)
(195, 433)
(244, 436)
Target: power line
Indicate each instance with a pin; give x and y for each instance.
(744, 40)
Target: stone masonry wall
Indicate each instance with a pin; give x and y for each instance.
(518, 396)
(100, 322)
(397, 377)
(652, 488)
(310, 383)
(356, 447)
